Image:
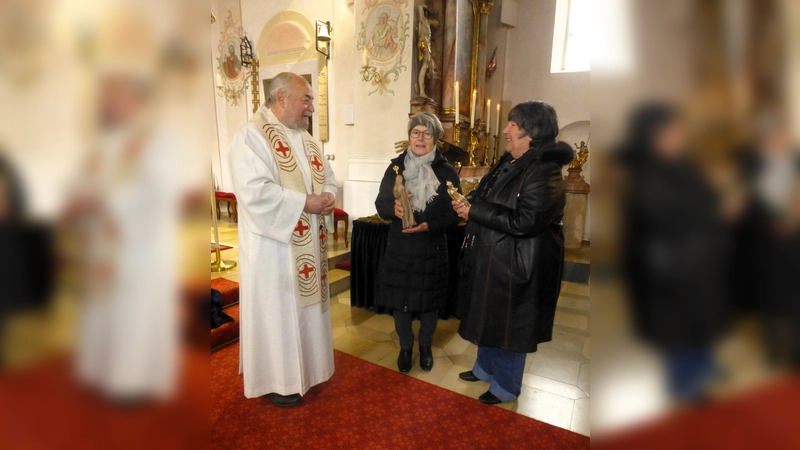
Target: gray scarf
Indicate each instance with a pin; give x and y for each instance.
(420, 179)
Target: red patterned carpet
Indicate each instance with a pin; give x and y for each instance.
(42, 407)
(366, 406)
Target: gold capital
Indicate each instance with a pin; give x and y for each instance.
(486, 7)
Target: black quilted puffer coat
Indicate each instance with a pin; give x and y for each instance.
(415, 270)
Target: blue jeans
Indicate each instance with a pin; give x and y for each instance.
(688, 370)
(502, 369)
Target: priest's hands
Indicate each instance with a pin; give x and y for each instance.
(417, 229)
(461, 210)
(319, 204)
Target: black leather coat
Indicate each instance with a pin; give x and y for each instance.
(513, 254)
(415, 270)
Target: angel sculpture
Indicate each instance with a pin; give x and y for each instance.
(400, 193)
(455, 195)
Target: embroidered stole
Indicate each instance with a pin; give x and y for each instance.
(311, 266)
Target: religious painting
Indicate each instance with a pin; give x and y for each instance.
(230, 74)
(382, 39)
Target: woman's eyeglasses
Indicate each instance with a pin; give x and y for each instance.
(426, 134)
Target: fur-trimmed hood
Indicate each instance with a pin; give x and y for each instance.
(558, 151)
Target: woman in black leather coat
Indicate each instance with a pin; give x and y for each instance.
(513, 253)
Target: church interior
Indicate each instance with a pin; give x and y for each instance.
(681, 231)
(466, 62)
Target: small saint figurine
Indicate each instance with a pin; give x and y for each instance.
(580, 156)
(402, 194)
(455, 195)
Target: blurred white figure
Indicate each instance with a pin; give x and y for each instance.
(127, 207)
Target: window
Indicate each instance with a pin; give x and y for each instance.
(571, 36)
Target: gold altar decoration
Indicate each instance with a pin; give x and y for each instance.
(574, 181)
(581, 156)
(472, 146)
(468, 186)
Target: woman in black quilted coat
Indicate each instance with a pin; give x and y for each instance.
(415, 271)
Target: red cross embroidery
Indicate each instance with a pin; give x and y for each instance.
(283, 149)
(315, 162)
(307, 270)
(324, 276)
(321, 234)
(301, 227)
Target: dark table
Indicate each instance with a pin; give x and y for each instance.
(368, 246)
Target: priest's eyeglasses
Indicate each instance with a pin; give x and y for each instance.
(426, 134)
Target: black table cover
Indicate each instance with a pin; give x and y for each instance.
(368, 246)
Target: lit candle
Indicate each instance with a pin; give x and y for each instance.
(364, 58)
(497, 123)
(219, 80)
(472, 113)
(456, 100)
(488, 113)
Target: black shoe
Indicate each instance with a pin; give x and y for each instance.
(284, 401)
(425, 358)
(468, 376)
(489, 399)
(404, 361)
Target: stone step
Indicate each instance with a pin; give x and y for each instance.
(339, 281)
(333, 260)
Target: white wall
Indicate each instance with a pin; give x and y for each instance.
(527, 65)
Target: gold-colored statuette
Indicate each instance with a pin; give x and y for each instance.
(455, 195)
(401, 194)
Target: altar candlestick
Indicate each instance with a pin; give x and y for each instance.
(472, 113)
(456, 100)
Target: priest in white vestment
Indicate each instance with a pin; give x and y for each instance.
(285, 190)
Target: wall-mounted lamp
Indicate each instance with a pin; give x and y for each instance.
(324, 38)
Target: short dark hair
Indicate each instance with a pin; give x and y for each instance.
(537, 119)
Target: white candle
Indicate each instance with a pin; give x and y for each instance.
(472, 113)
(219, 80)
(364, 58)
(497, 123)
(488, 113)
(456, 100)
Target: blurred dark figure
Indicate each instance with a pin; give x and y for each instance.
(26, 270)
(768, 240)
(674, 249)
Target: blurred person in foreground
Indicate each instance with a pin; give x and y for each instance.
(126, 210)
(513, 252)
(415, 270)
(769, 239)
(27, 278)
(285, 188)
(674, 249)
